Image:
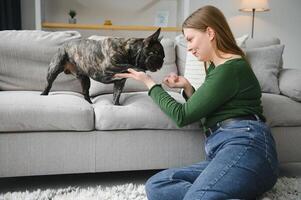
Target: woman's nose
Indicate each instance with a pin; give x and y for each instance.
(189, 48)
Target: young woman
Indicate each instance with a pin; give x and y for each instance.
(241, 156)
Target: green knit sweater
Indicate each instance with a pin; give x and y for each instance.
(230, 90)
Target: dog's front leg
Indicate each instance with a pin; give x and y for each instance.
(85, 82)
(118, 87)
(125, 67)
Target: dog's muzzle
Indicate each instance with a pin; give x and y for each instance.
(154, 63)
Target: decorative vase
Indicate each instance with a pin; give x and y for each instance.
(72, 20)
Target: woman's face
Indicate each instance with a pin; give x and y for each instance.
(199, 43)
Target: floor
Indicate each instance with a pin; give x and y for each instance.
(77, 180)
(86, 180)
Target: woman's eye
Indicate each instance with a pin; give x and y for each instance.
(151, 53)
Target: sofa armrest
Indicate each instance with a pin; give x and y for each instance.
(290, 83)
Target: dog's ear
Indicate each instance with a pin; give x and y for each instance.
(153, 37)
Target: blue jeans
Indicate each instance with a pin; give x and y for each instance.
(241, 164)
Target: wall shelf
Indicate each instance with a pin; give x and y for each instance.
(107, 27)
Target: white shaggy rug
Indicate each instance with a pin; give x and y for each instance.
(285, 189)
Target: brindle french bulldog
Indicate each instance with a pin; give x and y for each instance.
(102, 59)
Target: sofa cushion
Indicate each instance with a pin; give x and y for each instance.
(169, 66)
(266, 64)
(290, 83)
(59, 111)
(25, 57)
(261, 42)
(137, 111)
(281, 110)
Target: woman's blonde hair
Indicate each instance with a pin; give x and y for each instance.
(210, 16)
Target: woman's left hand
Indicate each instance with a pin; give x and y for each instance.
(139, 76)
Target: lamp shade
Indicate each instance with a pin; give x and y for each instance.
(257, 5)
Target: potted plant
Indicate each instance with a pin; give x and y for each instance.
(72, 19)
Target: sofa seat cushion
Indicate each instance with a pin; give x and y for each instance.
(59, 111)
(290, 83)
(281, 110)
(137, 111)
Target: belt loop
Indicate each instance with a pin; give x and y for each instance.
(257, 118)
(208, 132)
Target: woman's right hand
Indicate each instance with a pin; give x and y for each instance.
(172, 80)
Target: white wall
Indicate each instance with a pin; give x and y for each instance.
(282, 21)
(127, 12)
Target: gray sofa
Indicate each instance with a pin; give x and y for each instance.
(63, 134)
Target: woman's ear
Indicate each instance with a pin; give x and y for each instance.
(211, 33)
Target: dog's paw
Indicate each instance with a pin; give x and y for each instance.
(89, 100)
(116, 103)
